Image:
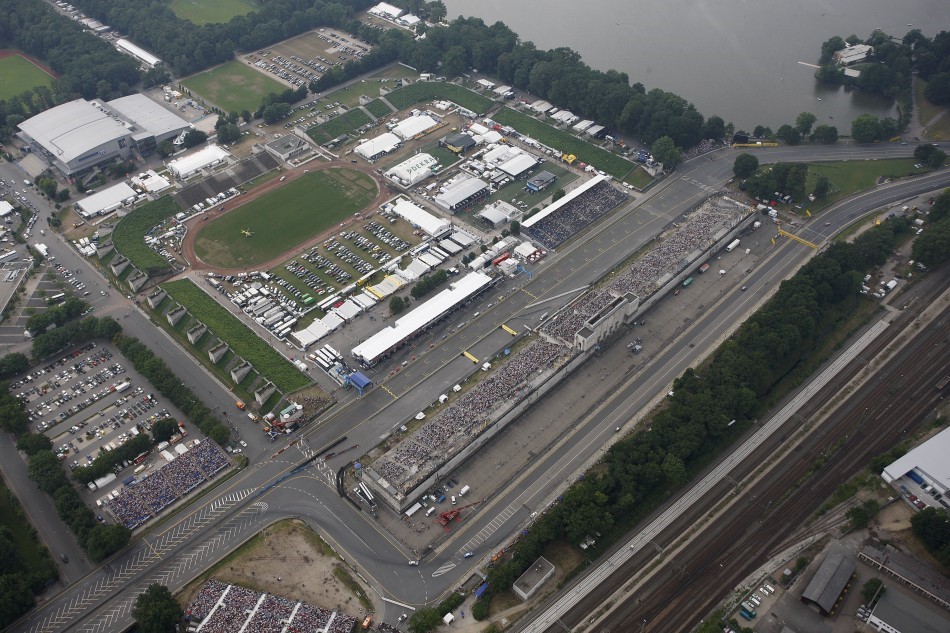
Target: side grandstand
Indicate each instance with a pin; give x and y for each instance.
(406, 470)
(574, 212)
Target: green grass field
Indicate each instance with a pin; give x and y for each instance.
(616, 166)
(129, 234)
(427, 90)
(17, 75)
(343, 124)
(849, 177)
(378, 109)
(233, 87)
(211, 11)
(284, 218)
(238, 336)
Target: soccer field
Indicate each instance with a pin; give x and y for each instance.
(18, 74)
(233, 87)
(211, 11)
(284, 218)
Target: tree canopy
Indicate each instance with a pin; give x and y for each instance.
(156, 610)
(745, 165)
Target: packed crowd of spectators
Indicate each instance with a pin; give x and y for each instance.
(706, 146)
(417, 456)
(709, 221)
(228, 608)
(574, 215)
(138, 503)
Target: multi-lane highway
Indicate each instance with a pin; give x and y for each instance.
(176, 553)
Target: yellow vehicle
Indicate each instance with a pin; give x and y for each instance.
(240, 405)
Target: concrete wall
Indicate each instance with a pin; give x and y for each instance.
(195, 333)
(239, 371)
(136, 280)
(156, 297)
(175, 315)
(265, 392)
(104, 249)
(218, 351)
(118, 265)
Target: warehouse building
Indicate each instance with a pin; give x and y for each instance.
(516, 166)
(498, 213)
(458, 143)
(387, 11)
(150, 181)
(829, 583)
(105, 201)
(78, 136)
(414, 126)
(927, 462)
(288, 147)
(413, 170)
(377, 147)
(853, 54)
(419, 217)
(187, 166)
(461, 192)
(541, 181)
(899, 613)
(138, 53)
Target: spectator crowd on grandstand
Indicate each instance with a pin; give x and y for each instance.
(417, 456)
(140, 502)
(575, 215)
(643, 277)
(222, 608)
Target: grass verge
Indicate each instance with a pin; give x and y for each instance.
(425, 90)
(129, 235)
(849, 177)
(344, 124)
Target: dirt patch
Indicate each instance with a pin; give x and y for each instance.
(895, 517)
(290, 560)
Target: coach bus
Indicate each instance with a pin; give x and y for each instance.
(57, 298)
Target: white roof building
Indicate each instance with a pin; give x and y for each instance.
(414, 169)
(151, 182)
(583, 125)
(929, 460)
(140, 54)
(5, 208)
(498, 213)
(376, 147)
(484, 83)
(153, 119)
(501, 90)
(853, 54)
(414, 126)
(458, 192)
(187, 166)
(417, 216)
(104, 201)
(385, 10)
(518, 165)
(409, 19)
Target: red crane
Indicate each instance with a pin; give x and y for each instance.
(450, 515)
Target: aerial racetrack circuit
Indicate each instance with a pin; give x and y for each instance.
(279, 216)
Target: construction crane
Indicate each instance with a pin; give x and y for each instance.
(450, 515)
(247, 232)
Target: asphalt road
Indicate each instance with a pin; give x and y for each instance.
(416, 386)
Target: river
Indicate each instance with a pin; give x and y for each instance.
(735, 58)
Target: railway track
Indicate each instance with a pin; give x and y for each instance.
(873, 418)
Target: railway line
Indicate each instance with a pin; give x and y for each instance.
(876, 416)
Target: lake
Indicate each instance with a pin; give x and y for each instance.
(735, 58)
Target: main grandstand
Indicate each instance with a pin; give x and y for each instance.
(80, 135)
(574, 212)
(407, 469)
(389, 339)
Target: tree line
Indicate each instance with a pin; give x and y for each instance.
(641, 471)
(87, 66)
(932, 247)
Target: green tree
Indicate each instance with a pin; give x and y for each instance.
(822, 186)
(247, 116)
(557, 195)
(105, 540)
(789, 134)
(932, 527)
(804, 121)
(859, 517)
(924, 151)
(163, 429)
(871, 590)
(714, 128)
(33, 443)
(45, 471)
(12, 364)
(454, 61)
(156, 610)
(827, 134)
(165, 149)
(866, 129)
(16, 597)
(228, 133)
(194, 137)
(937, 159)
(664, 151)
(745, 165)
(275, 112)
(515, 228)
(938, 89)
(933, 245)
(424, 621)
(219, 434)
(397, 304)
(830, 47)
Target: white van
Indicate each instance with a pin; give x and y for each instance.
(430, 511)
(454, 500)
(464, 490)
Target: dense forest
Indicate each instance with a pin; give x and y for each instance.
(643, 470)
(87, 66)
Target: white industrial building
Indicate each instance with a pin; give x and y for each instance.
(138, 53)
(414, 126)
(413, 170)
(105, 201)
(150, 181)
(582, 126)
(376, 347)
(5, 208)
(896, 612)
(929, 461)
(460, 192)
(384, 10)
(516, 166)
(419, 217)
(853, 54)
(379, 146)
(187, 166)
(78, 136)
(499, 212)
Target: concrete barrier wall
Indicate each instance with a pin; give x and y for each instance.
(218, 351)
(156, 297)
(195, 333)
(240, 370)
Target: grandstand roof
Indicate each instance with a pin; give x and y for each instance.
(519, 164)
(140, 53)
(105, 200)
(414, 125)
(930, 458)
(382, 144)
(70, 130)
(417, 216)
(187, 165)
(153, 118)
(383, 341)
(537, 217)
(458, 192)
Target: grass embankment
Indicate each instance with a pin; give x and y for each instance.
(242, 341)
(849, 177)
(406, 96)
(617, 166)
(129, 235)
(378, 109)
(284, 218)
(344, 124)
